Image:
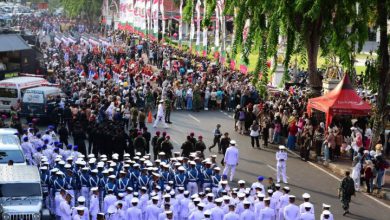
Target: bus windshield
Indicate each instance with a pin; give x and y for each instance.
(8, 93)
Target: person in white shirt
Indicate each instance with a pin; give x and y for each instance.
(259, 204)
(197, 214)
(291, 211)
(247, 214)
(231, 215)
(65, 210)
(217, 212)
(94, 208)
(281, 159)
(109, 200)
(80, 213)
(160, 115)
(326, 212)
(258, 184)
(307, 215)
(152, 211)
(134, 213)
(267, 213)
(231, 159)
(81, 205)
(306, 198)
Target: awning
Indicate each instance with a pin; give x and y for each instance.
(12, 42)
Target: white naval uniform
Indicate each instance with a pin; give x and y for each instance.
(291, 212)
(152, 212)
(77, 217)
(258, 206)
(330, 217)
(65, 211)
(231, 216)
(134, 213)
(247, 214)
(86, 213)
(267, 214)
(256, 185)
(217, 213)
(94, 208)
(302, 207)
(196, 215)
(231, 161)
(109, 200)
(307, 216)
(283, 202)
(160, 116)
(281, 159)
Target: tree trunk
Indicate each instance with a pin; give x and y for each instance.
(313, 45)
(381, 113)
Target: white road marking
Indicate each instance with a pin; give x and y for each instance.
(191, 116)
(339, 179)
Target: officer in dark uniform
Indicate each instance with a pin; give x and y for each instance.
(155, 144)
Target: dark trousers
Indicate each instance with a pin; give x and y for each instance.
(216, 141)
(168, 115)
(255, 139)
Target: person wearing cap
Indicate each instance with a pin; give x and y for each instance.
(291, 211)
(65, 211)
(140, 144)
(181, 178)
(225, 142)
(28, 149)
(71, 180)
(154, 144)
(81, 205)
(200, 146)
(134, 212)
(267, 213)
(303, 206)
(123, 182)
(143, 199)
(231, 214)
(198, 213)
(160, 117)
(217, 212)
(307, 214)
(94, 205)
(206, 175)
(167, 147)
(187, 147)
(45, 181)
(58, 199)
(108, 200)
(283, 201)
(247, 213)
(217, 138)
(326, 214)
(144, 179)
(166, 208)
(281, 159)
(258, 203)
(152, 211)
(193, 177)
(79, 213)
(258, 184)
(84, 182)
(231, 159)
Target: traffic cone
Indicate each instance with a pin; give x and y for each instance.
(150, 119)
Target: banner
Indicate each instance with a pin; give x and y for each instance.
(181, 23)
(192, 32)
(142, 17)
(163, 19)
(155, 18)
(205, 29)
(197, 8)
(216, 40)
(136, 16)
(148, 18)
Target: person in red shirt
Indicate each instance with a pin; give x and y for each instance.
(292, 132)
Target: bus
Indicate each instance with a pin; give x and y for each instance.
(12, 90)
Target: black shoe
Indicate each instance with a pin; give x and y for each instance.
(209, 149)
(169, 122)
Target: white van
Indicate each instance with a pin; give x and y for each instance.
(12, 89)
(10, 148)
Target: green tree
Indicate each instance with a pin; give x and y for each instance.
(89, 9)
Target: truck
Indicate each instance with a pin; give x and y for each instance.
(21, 193)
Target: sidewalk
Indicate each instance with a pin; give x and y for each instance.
(343, 164)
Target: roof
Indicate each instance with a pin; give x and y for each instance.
(15, 174)
(12, 42)
(45, 89)
(21, 79)
(342, 100)
(8, 131)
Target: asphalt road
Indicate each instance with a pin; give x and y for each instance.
(302, 176)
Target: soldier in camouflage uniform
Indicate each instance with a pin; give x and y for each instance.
(168, 107)
(346, 191)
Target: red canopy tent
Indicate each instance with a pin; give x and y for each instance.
(342, 100)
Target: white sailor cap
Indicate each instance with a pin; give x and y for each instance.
(325, 205)
(181, 168)
(161, 154)
(326, 212)
(214, 156)
(112, 176)
(80, 208)
(306, 195)
(207, 212)
(155, 198)
(94, 189)
(241, 182)
(281, 147)
(260, 195)
(291, 196)
(217, 168)
(201, 205)
(286, 188)
(67, 166)
(81, 199)
(233, 142)
(241, 195)
(121, 195)
(43, 168)
(192, 163)
(246, 202)
(219, 200)
(138, 154)
(307, 205)
(115, 156)
(91, 155)
(126, 155)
